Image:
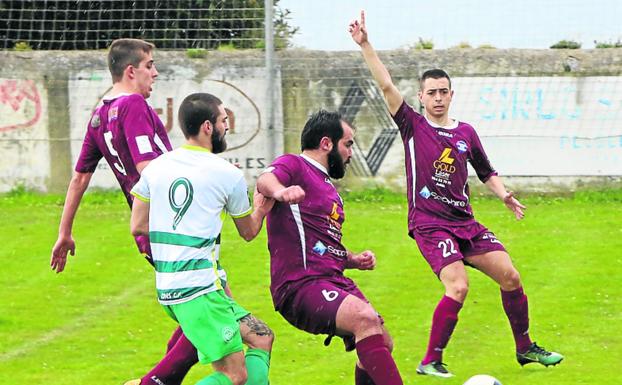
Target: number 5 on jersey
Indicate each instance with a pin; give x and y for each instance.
(118, 164)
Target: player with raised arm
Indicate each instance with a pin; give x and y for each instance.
(128, 133)
(440, 218)
(307, 257)
(180, 197)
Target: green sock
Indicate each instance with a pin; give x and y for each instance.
(215, 378)
(257, 366)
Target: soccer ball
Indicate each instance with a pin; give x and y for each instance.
(482, 379)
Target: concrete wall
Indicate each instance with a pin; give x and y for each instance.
(548, 115)
(548, 118)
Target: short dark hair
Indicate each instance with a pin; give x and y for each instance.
(320, 124)
(124, 52)
(434, 74)
(196, 109)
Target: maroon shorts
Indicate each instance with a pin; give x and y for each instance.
(313, 303)
(443, 245)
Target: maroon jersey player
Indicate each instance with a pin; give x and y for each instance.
(307, 256)
(440, 218)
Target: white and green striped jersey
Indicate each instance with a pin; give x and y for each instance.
(188, 189)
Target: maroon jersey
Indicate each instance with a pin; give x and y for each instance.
(125, 131)
(436, 169)
(304, 239)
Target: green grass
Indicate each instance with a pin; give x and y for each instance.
(99, 323)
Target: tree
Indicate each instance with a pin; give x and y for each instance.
(208, 24)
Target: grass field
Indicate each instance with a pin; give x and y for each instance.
(99, 323)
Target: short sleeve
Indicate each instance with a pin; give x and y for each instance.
(141, 188)
(139, 130)
(238, 203)
(286, 168)
(404, 119)
(90, 154)
(479, 159)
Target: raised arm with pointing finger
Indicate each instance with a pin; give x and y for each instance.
(392, 96)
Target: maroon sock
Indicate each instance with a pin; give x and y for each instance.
(361, 377)
(172, 369)
(517, 309)
(443, 323)
(171, 342)
(377, 361)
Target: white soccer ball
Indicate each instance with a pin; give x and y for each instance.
(482, 379)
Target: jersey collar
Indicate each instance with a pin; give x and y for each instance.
(449, 127)
(195, 148)
(315, 163)
(116, 96)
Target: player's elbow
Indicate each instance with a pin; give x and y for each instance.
(138, 228)
(386, 86)
(248, 235)
(138, 231)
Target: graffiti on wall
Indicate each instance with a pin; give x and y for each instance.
(248, 145)
(367, 162)
(23, 134)
(20, 104)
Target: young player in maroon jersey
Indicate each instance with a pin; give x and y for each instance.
(307, 258)
(440, 218)
(128, 133)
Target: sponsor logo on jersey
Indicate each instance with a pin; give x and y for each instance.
(443, 168)
(113, 114)
(334, 214)
(491, 237)
(425, 192)
(334, 226)
(337, 252)
(95, 121)
(171, 295)
(319, 248)
(447, 201)
(446, 134)
(462, 146)
(445, 162)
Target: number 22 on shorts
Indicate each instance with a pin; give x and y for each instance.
(448, 247)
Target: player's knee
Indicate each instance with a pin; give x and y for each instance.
(263, 342)
(367, 319)
(256, 334)
(458, 290)
(511, 280)
(239, 376)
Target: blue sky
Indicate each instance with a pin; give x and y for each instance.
(501, 23)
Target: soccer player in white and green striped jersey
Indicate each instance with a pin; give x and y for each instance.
(180, 197)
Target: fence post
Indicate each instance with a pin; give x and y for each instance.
(270, 76)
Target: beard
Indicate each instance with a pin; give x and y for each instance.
(219, 144)
(336, 166)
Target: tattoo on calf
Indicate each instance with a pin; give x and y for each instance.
(257, 326)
